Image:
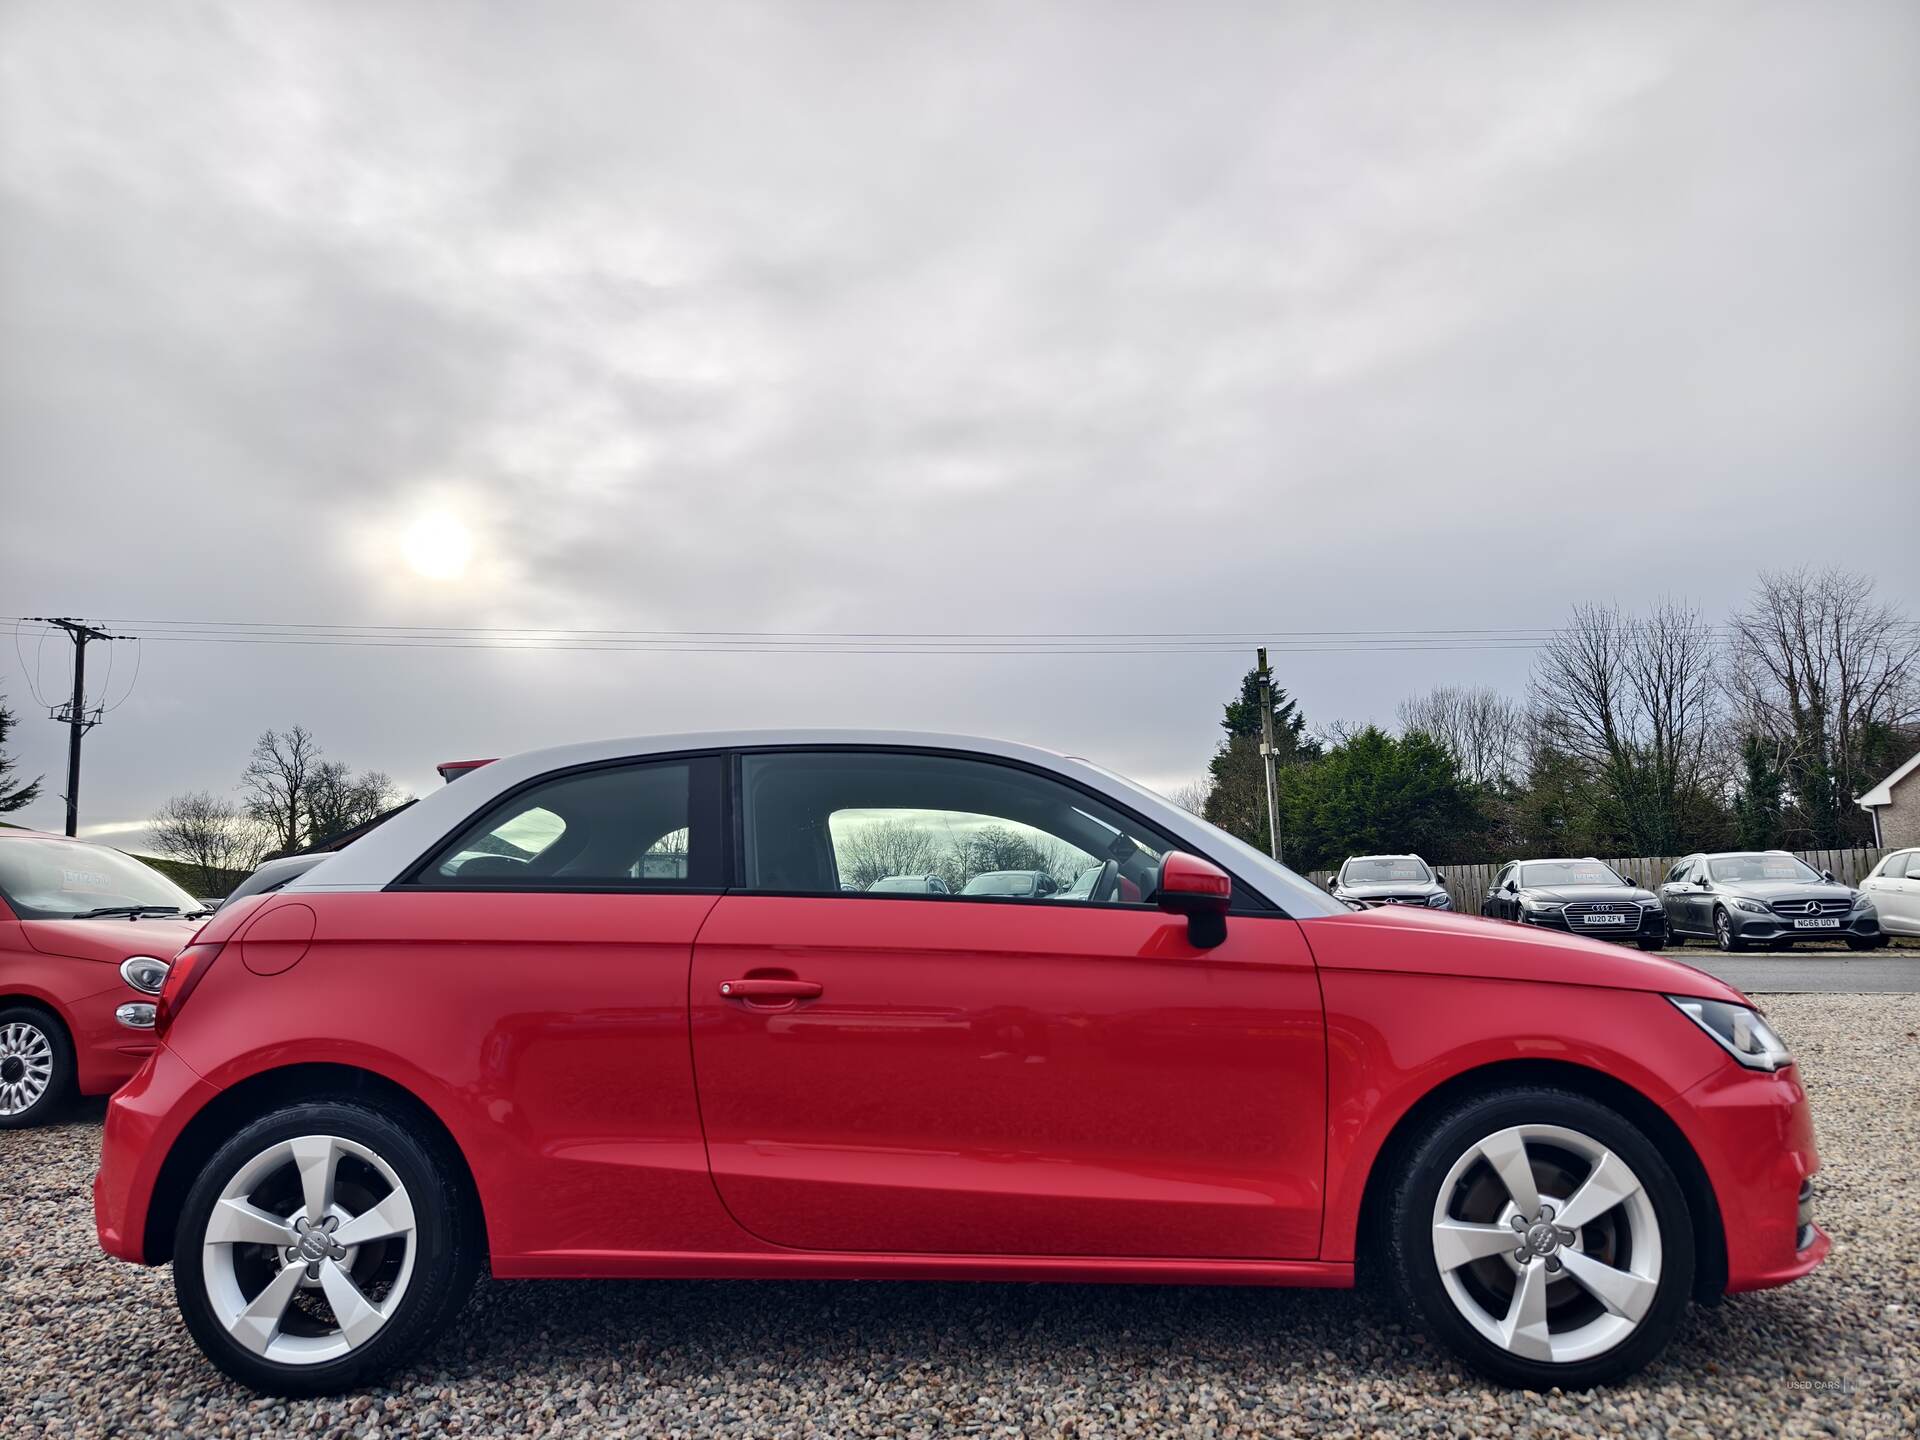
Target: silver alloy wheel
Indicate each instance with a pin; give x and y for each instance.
(294, 1287)
(1568, 1264)
(26, 1066)
(1723, 929)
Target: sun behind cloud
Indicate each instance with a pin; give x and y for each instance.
(438, 546)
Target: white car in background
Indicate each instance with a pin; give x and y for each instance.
(1894, 885)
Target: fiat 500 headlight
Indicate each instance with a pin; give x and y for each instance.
(1741, 1032)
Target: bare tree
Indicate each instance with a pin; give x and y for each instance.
(338, 800)
(211, 835)
(879, 848)
(1831, 675)
(1484, 731)
(1634, 699)
(1192, 796)
(279, 782)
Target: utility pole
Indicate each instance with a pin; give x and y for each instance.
(1266, 752)
(74, 714)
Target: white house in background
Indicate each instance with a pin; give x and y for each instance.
(1895, 806)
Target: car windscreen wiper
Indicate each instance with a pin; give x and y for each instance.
(132, 912)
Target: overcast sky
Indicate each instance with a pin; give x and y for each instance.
(915, 318)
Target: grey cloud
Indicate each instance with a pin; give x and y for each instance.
(859, 316)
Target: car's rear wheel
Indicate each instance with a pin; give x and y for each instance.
(320, 1247)
(1723, 933)
(36, 1067)
(1543, 1238)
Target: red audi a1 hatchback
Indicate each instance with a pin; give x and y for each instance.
(642, 1008)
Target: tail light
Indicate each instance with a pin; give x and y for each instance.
(190, 967)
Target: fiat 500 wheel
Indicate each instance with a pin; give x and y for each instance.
(36, 1067)
(319, 1247)
(1543, 1238)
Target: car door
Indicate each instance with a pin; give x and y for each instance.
(1896, 896)
(1495, 903)
(1678, 897)
(559, 923)
(986, 1075)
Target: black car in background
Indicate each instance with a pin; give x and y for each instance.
(1764, 897)
(1581, 897)
(1370, 880)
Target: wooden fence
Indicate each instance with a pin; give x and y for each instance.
(1468, 884)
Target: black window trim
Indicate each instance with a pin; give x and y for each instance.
(1264, 907)
(707, 799)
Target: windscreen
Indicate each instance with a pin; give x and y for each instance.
(1550, 873)
(68, 879)
(1384, 870)
(1733, 869)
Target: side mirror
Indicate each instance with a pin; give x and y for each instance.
(1827, 875)
(1197, 889)
(1704, 883)
(1513, 887)
(1438, 877)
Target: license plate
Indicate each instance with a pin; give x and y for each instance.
(1816, 924)
(1606, 919)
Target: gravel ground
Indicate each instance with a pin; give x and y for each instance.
(90, 1347)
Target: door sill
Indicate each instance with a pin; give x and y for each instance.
(830, 1265)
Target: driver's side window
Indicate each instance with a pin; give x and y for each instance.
(934, 826)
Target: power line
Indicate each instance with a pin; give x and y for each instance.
(852, 642)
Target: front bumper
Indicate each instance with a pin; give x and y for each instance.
(1753, 1131)
(144, 1118)
(1652, 926)
(1756, 929)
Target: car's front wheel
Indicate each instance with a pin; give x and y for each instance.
(1542, 1237)
(1723, 933)
(36, 1067)
(320, 1247)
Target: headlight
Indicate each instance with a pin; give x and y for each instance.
(1754, 905)
(1741, 1032)
(144, 973)
(1442, 901)
(1542, 907)
(1862, 900)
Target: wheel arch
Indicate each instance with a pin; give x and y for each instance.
(266, 1090)
(1709, 1233)
(36, 1000)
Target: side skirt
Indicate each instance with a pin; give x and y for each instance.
(810, 1265)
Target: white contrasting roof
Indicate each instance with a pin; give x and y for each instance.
(1882, 794)
(389, 851)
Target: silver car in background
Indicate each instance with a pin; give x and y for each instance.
(1371, 880)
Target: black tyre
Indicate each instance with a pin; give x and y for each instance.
(36, 1067)
(1676, 939)
(1723, 934)
(1542, 1237)
(1865, 942)
(321, 1246)
(1652, 942)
